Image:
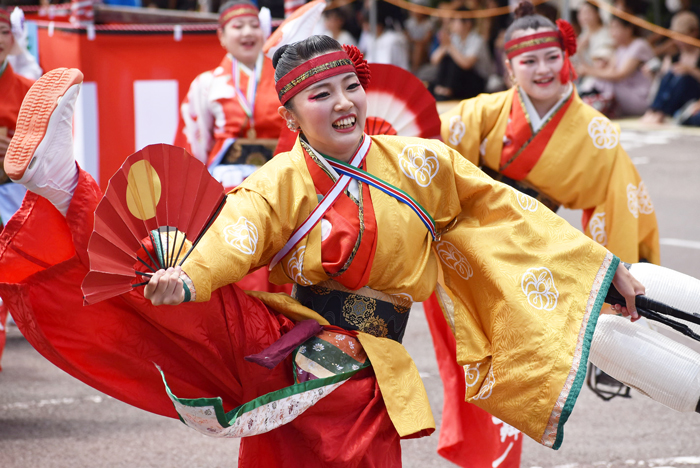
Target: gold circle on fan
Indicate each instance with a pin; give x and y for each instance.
(143, 190)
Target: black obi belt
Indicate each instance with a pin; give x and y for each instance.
(523, 188)
(353, 310)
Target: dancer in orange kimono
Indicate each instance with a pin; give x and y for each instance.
(229, 118)
(12, 89)
(541, 139)
(338, 215)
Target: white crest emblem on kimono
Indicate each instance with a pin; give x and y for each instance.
(538, 286)
(638, 200)
(487, 386)
(457, 130)
(454, 259)
(597, 228)
(603, 133)
(525, 201)
(419, 163)
(243, 236)
(295, 267)
(471, 374)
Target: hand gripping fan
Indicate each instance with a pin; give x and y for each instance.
(669, 295)
(398, 103)
(160, 196)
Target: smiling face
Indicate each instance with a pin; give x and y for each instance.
(537, 71)
(331, 114)
(6, 41)
(242, 37)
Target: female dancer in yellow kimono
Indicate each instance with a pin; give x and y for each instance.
(363, 226)
(541, 139)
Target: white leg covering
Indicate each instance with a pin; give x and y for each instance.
(655, 365)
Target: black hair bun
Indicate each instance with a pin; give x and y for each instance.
(278, 55)
(524, 9)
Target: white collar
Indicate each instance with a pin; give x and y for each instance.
(535, 120)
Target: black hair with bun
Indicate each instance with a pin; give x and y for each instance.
(527, 18)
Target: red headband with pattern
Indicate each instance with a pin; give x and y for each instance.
(348, 60)
(564, 38)
(237, 11)
(5, 16)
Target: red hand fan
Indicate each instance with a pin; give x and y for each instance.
(160, 194)
(399, 104)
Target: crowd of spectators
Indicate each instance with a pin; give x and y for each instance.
(624, 70)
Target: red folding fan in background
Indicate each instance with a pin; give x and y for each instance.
(160, 194)
(398, 103)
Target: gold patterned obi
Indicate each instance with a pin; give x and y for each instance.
(523, 188)
(366, 309)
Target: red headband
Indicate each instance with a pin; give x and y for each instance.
(237, 11)
(319, 68)
(5, 17)
(564, 38)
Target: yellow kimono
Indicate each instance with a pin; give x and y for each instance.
(522, 288)
(580, 166)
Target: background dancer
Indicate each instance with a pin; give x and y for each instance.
(364, 417)
(229, 118)
(541, 139)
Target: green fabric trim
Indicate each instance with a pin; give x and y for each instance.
(188, 294)
(329, 357)
(3, 67)
(583, 364)
(227, 419)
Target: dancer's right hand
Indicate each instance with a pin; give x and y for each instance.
(165, 287)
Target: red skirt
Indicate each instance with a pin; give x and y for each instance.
(115, 345)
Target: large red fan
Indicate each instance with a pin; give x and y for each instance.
(161, 196)
(398, 103)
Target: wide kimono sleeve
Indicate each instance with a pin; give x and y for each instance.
(625, 222)
(521, 290)
(197, 120)
(255, 223)
(465, 127)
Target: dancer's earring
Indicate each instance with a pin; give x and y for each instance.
(292, 126)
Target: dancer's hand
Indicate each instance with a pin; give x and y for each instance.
(165, 287)
(630, 288)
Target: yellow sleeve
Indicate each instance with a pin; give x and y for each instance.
(626, 221)
(255, 223)
(522, 290)
(465, 127)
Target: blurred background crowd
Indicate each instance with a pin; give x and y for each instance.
(624, 70)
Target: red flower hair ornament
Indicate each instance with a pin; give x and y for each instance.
(361, 66)
(568, 42)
